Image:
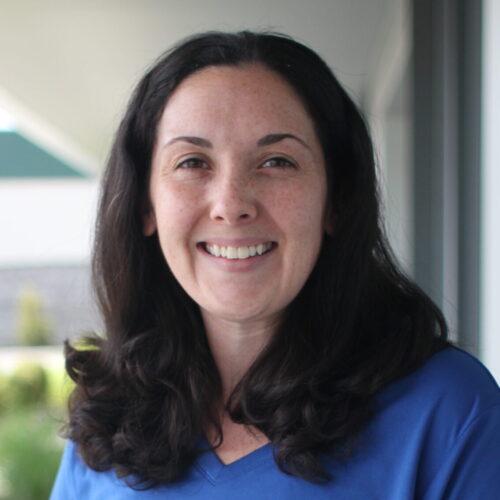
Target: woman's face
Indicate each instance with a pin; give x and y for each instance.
(238, 192)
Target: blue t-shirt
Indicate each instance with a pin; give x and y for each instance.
(435, 435)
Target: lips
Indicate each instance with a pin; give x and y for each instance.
(237, 252)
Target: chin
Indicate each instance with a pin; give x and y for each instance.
(237, 313)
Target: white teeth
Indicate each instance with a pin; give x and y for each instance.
(243, 252)
(238, 252)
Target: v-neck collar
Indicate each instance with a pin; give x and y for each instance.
(215, 471)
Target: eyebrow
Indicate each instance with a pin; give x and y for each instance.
(274, 138)
(264, 141)
(197, 141)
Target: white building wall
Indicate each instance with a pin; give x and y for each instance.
(44, 222)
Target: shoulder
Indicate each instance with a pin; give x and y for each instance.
(441, 424)
(440, 403)
(75, 480)
(460, 381)
(64, 486)
(452, 380)
(452, 365)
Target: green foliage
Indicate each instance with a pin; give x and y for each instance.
(4, 393)
(27, 386)
(32, 402)
(30, 453)
(34, 326)
(59, 388)
(31, 385)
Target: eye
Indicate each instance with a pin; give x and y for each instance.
(278, 161)
(192, 163)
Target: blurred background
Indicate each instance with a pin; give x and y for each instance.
(424, 72)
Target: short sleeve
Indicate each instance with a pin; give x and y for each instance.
(63, 488)
(472, 468)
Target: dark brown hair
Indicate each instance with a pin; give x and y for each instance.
(145, 391)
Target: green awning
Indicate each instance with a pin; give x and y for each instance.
(20, 158)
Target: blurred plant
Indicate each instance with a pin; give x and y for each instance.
(32, 401)
(27, 386)
(4, 393)
(59, 388)
(30, 452)
(34, 326)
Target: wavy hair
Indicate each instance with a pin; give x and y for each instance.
(145, 391)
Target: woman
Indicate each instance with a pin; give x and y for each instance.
(261, 342)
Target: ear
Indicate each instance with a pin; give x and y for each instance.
(148, 221)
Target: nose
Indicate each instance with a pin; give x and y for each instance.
(232, 200)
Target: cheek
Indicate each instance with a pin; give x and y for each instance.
(172, 203)
(301, 212)
(175, 212)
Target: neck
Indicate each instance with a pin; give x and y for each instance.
(235, 346)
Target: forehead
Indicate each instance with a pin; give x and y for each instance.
(250, 96)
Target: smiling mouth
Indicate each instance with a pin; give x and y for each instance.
(237, 253)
